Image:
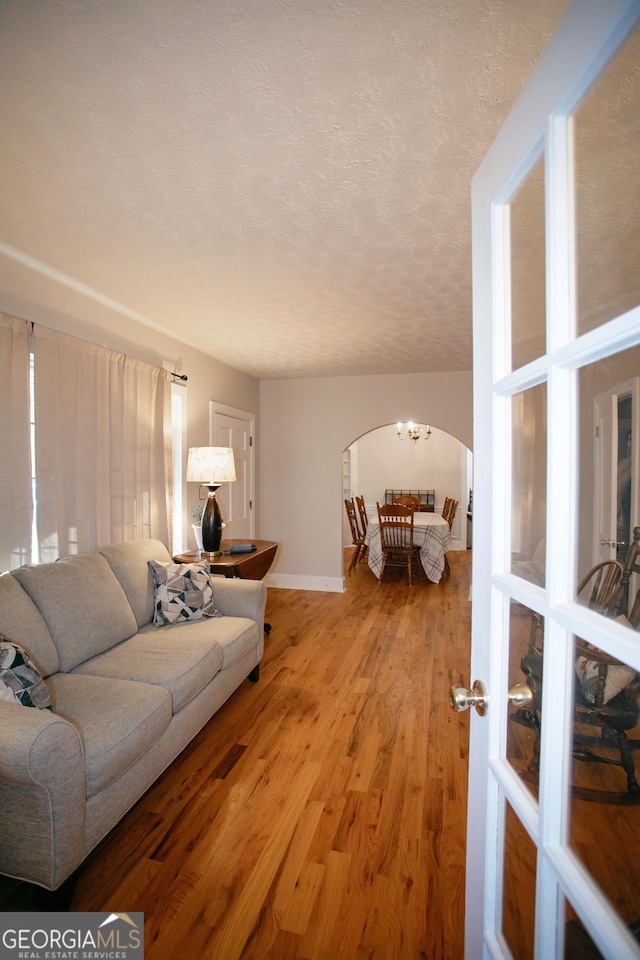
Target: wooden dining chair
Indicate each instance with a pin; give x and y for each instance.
(356, 536)
(449, 510)
(448, 513)
(362, 513)
(364, 523)
(396, 539)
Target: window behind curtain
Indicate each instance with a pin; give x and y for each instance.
(102, 446)
(15, 462)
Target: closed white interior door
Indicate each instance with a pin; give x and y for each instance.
(235, 428)
(556, 240)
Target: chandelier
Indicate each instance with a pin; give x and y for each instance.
(413, 431)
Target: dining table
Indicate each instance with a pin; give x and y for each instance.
(430, 532)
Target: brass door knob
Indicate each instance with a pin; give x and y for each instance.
(521, 695)
(461, 699)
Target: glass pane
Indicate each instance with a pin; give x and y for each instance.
(528, 288)
(578, 945)
(526, 634)
(608, 484)
(519, 888)
(529, 484)
(607, 166)
(604, 823)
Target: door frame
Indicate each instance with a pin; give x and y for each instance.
(539, 122)
(603, 404)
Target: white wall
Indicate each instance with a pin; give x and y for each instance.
(305, 426)
(73, 311)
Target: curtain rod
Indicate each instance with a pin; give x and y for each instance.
(171, 373)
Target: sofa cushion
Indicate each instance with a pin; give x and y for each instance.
(174, 658)
(234, 635)
(21, 620)
(130, 563)
(117, 720)
(618, 677)
(182, 591)
(83, 604)
(20, 680)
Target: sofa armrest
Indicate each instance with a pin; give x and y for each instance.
(42, 795)
(240, 598)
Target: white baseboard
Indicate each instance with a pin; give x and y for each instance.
(457, 545)
(290, 581)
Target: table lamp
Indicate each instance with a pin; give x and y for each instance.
(211, 466)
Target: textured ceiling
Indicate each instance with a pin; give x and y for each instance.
(285, 183)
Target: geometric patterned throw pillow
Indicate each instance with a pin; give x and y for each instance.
(20, 680)
(182, 591)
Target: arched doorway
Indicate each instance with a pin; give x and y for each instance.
(380, 460)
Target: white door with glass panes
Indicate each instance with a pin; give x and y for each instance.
(553, 842)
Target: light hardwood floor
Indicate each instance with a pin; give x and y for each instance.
(321, 813)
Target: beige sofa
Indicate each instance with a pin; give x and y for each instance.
(127, 696)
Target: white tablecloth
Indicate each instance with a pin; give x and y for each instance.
(430, 532)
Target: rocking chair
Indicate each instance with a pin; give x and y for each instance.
(606, 694)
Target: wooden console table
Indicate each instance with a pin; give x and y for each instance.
(247, 566)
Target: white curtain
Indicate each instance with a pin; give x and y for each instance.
(15, 460)
(102, 446)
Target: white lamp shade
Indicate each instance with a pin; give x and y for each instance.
(211, 465)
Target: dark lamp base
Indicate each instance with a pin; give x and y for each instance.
(211, 525)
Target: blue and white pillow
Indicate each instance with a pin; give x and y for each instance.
(182, 592)
(20, 680)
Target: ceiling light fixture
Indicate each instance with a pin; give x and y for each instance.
(413, 431)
